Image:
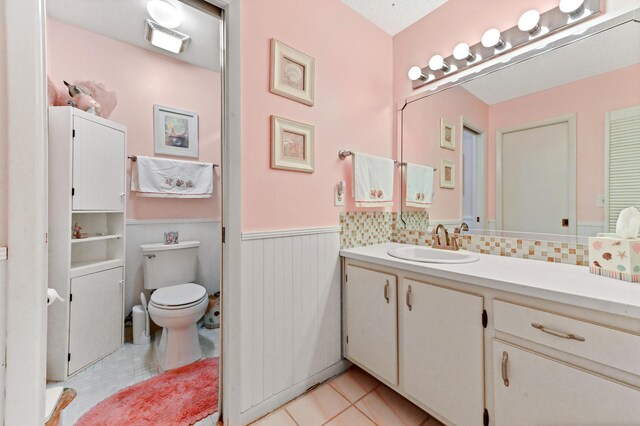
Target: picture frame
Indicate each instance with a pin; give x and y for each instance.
(292, 73)
(447, 134)
(447, 174)
(175, 131)
(292, 145)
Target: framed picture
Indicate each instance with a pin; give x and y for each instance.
(292, 73)
(447, 134)
(447, 174)
(291, 145)
(175, 131)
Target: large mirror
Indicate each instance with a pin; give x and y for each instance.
(550, 144)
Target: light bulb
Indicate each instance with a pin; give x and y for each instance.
(437, 63)
(415, 73)
(164, 13)
(572, 7)
(529, 22)
(491, 38)
(462, 51)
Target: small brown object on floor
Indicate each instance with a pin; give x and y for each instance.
(68, 395)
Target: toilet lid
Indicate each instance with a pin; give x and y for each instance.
(177, 295)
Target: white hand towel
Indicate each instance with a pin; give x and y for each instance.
(372, 181)
(160, 177)
(419, 185)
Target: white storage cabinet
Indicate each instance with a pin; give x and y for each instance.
(87, 159)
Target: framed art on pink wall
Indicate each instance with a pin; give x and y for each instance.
(291, 145)
(447, 134)
(292, 73)
(175, 132)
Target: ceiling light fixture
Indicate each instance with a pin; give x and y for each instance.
(492, 38)
(437, 63)
(164, 13)
(462, 51)
(529, 22)
(573, 8)
(165, 38)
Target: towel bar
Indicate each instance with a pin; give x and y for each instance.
(343, 154)
(134, 158)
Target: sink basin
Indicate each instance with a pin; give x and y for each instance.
(431, 255)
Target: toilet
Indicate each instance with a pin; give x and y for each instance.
(176, 303)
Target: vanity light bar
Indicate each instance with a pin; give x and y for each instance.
(532, 26)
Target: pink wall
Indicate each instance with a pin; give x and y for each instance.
(142, 78)
(589, 99)
(353, 107)
(421, 136)
(453, 22)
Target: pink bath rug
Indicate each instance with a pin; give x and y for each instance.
(178, 397)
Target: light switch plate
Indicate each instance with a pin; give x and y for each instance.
(337, 199)
(600, 200)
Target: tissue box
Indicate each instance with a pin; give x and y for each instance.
(615, 257)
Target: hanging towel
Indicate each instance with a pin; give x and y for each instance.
(372, 181)
(160, 177)
(419, 185)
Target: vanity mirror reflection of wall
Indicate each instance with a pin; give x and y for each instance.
(550, 144)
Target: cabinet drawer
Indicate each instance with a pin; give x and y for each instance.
(589, 340)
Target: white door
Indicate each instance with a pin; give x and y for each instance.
(442, 359)
(96, 318)
(473, 179)
(536, 178)
(371, 317)
(98, 166)
(542, 392)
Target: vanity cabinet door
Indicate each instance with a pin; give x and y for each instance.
(95, 326)
(371, 321)
(98, 166)
(442, 361)
(542, 391)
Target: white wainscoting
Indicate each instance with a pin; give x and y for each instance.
(207, 231)
(291, 315)
(3, 324)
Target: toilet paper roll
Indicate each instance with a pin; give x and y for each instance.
(52, 296)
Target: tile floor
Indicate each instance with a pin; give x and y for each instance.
(351, 399)
(125, 367)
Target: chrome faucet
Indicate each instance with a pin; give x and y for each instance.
(457, 233)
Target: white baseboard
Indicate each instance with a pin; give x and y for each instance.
(293, 392)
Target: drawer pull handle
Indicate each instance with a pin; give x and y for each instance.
(409, 298)
(505, 376)
(557, 333)
(386, 291)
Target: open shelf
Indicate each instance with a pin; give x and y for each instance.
(96, 238)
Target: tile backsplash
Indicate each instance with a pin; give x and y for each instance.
(367, 228)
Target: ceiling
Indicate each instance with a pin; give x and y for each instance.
(606, 51)
(394, 16)
(124, 20)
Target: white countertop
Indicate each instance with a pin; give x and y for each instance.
(569, 284)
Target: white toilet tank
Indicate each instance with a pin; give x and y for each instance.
(169, 264)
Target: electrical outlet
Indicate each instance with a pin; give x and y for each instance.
(600, 200)
(338, 194)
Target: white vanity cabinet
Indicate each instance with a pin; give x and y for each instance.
(501, 341)
(87, 157)
(423, 340)
(372, 321)
(441, 350)
(532, 389)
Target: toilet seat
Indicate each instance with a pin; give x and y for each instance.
(181, 296)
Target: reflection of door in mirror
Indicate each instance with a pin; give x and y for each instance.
(535, 177)
(473, 194)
